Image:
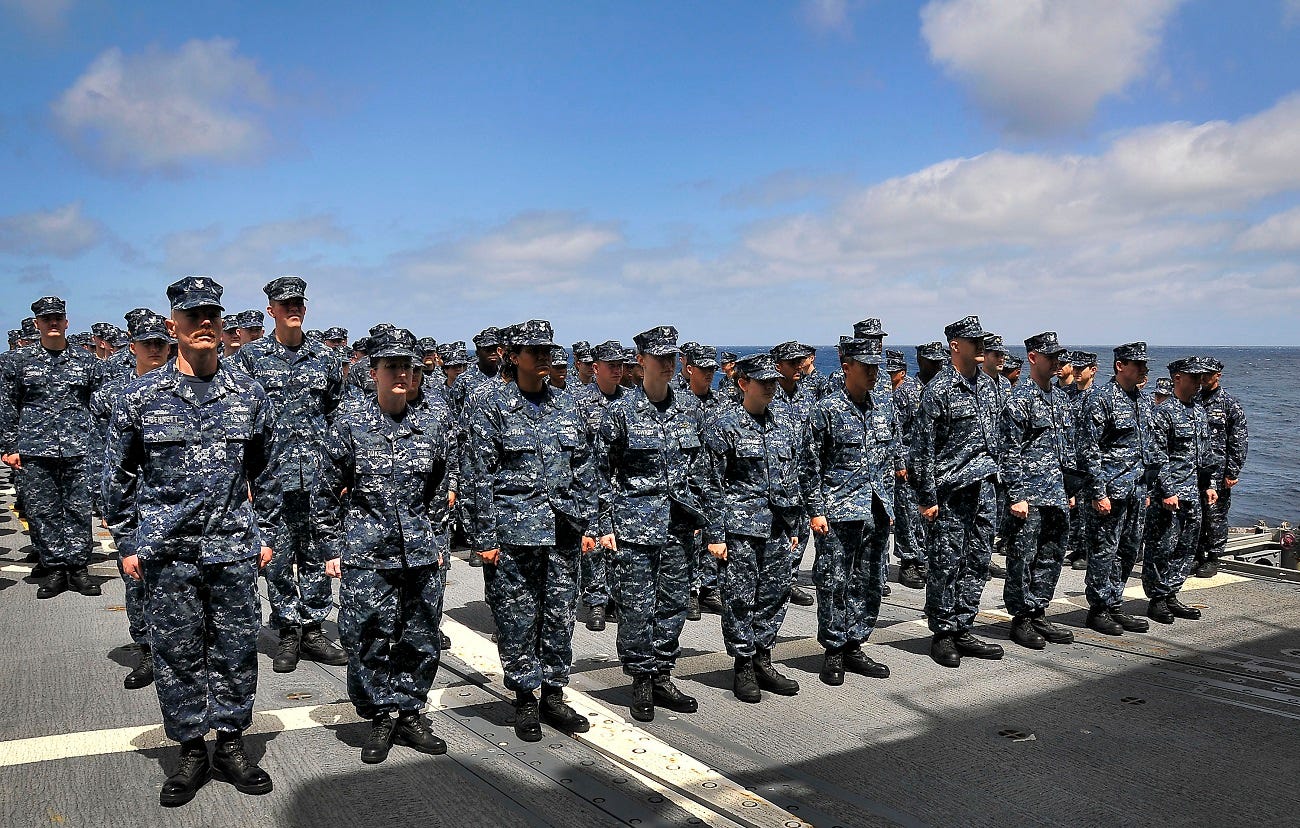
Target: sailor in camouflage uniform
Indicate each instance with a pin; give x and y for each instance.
(304, 381)
(727, 382)
(559, 375)
(46, 432)
(252, 326)
(1115, 453)
(995, 354)
(755, 513)
(535, 510)
(453, 360)
(335, 338)
(1011, 369)
(1038, 447)
(1084, 365)
(19, 339)
(1229, 441)
(794, 402)
(848, 465)
(150, 346)
(385, 541)
(954, 457)
(487, 353)
(584, 362)
(185, 443)
(1163, 390)
(909, 529)
(596, 581)
(1187, 479)
(229, 334)
(649, 462)
(701, 365)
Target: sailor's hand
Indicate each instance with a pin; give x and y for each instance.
(1171, 503)
(491, 556)
(718, 550)
(333, 568)
(1229, 482)
(901, 474)
(13, 461)
(820, 526)
(1102, 506)
(264, 558)
(451, 499)
(1020, 509)
(1211, 496)
(588, 544)
(131, 566)
(931, 513)
(609, 542)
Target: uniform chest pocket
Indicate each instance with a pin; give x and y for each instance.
(518, 443)
(688, 440)
(238, 428)
(1184, 432)
(881, 428)
(568, 439)
(162, 434)
(643, 440)
(374, 462)
(961, 409)
(750, 450)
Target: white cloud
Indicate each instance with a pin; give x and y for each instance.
(165, 111)
(47, 15)
(827, 16)
(64, 232)
(1041, 66)
(1277, 233)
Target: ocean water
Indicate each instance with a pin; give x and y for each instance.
(1260, 377)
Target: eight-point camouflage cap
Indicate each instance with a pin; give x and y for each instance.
(14, 336)
(1211, 365)
(1186, 365)
(791, 350)
(968, 327)
(658, 341)
(895, 361)
(611, 350)
(582, 352)
(534, 332)
(868, 350)
(488, 338)
(285, 288)
(361, 345)
(1132, 352)
(117, 337)
(868, 328)
(230, 322)
(103, 330)
(1046, 344)
(629, 356)
(150, 326)
(392, 342)
(559, 357)
(335, 333)
(1083, 359)
(29, 328)
(761, 367)
(453, 353)
(1164, 386)
(933, 351)
(1012, 363)
(135, 313)
(47, 305)
(701, 356)
(728, 356)
(194, 292)
(426, 345)
(251, 319)
(993, 342)
(382, 327)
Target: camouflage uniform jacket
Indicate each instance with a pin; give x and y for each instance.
(531, 467)
(816, 385)
(45, 405)
(1115, 447)
(470, 379)
(1180, 438)
(648, 463)
(1037, 440)
(1229, 438)
(796, 408)
(753, 478)
(849, 454)
(592, 402)
(955, 442)
(177, 472)
(305, 387)
(120, 364)
(907, 404)
(433, 405)
(395, 473)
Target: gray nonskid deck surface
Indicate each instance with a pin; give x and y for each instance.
(1194, 723)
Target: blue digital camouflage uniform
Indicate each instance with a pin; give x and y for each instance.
(1037, 443)
(305, 386)
(1180, 438)
(535, 497)
(176, 480)
(45, 419)
(1229, 442)
(754, 505)
(704, 572)
(650, 463)
(816, 384)
(596, 579)
(1002, 392)
(796, 408)
(909, 527)
(388, 532)
(954, 458)
(847, 470)
(1115, 453)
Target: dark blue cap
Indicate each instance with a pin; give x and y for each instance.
(658, 341)
(361, 345)
(1132, 352)
(611, 350)
(728, 356)
(230, 322)
(1083, 359)
(1046, 344)
(285, 288)
(14, 336)
(868, 328)
(251, 319)
(1012, 363)
(1211, 365)
(1186, 365)
(335, 333)
(453, 353)
(426, 345)
(582, 351)
(534, 332)
(993, 342)
(151, 326)
(761, 367)
(868, 350)
(968, 327)
(933, 351)
(29, 328)
(559, 357)
(895, 360)
(392, 342)
(47, 305)
(792, 350)
(194, 292)
(701, 356)
(103, 330)
(488, 338)
(1164, 386)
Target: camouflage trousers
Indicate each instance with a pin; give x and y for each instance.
(704, 573)
(754, 582)
(599, 583)
(1035, 552)
(848, 575)
(204, 620)
(804, 532)
(1169, 550)
(388, 623)
(1116, 544)
(56, 496)
(960, 544)
(909, 526)
(653, 589)
(1080, 544)
(135, 613)
(532, 591)
(1214, 527)
(296, 584)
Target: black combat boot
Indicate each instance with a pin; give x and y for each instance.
(413, 731)
(375, 750)
(231, 763)
(832, 667)
(1130, 623)
(1102, 621)
(54, 583)
(643, 701)
(1208, 568)
(142, 675)
(1052, 632)
(800, 597)
(192, 774)
(943, 650)
(596, 618)
(693, 608)
(1158, 611)
(528, 726)
(745, 683)
(1181, 610)
(316, 647)
(559, 715)
(969, 645)
(996, 570)
(667, 694)
(286, 651)
(444, 641)
(1024, 634)
(79, 579)
(909, 575)
(710, 601)
(856, 661)
(768, 677)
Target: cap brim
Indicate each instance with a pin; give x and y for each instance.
(765, 374)
(661, 350)
(190, 304)
(393, 352)
(706, 364)
(868, 359)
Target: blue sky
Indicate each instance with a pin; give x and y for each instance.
(747, 171)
